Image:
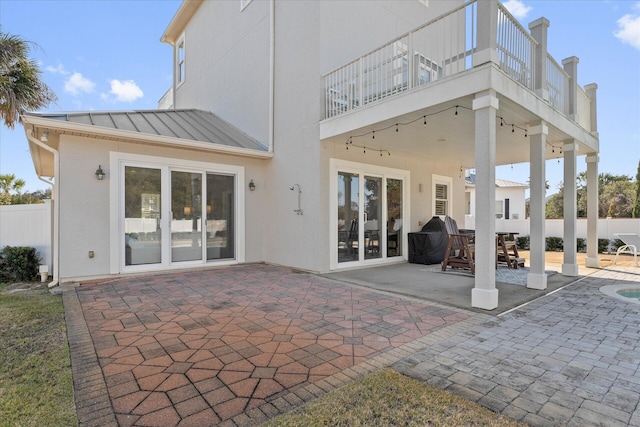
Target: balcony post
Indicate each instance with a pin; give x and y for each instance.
(591, 93)
(538, 29)
(570, 66)
(487, 30)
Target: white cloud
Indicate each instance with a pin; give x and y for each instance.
(59, 69)
(125, 91)
(77, 84)
(517, 8)
(629, 29)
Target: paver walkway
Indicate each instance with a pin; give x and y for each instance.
(235, 345)
(571, 358)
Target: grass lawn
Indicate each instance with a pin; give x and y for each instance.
(35, 375)
(387, 398)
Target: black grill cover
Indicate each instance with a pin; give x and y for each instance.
(429, 245)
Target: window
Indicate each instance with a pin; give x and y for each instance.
(180, 57)
(441, 195)
(244, 3)
(499, 209)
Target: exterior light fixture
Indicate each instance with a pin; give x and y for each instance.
(45, 136)
(100, 173)
(252, 185)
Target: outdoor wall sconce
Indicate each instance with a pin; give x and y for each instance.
(45, 136)
(252, 185)
(299, 210)
(100, 173)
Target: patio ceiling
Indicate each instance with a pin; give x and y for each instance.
(449, 135)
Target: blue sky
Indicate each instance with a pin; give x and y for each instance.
(106, 55)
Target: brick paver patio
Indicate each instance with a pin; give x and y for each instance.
(567, 359)
(235, 345)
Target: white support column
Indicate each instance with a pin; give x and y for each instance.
(485, 295)
(591, 90)
(570, 208)
(592, 259)
(537, 278)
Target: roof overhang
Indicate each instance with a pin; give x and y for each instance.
(43, 160)
(179, 21)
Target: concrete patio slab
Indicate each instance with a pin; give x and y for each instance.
(452, 288)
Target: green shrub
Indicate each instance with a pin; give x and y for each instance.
(523, 243)
(18, 263)
(603, 246)
(554, 244)
(581, 245)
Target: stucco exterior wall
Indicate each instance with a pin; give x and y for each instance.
(85, 201)
(229, 75)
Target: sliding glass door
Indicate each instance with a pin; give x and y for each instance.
(174, 216)
(368, 214)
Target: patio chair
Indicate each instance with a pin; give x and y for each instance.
(631, 246)
(461, 250)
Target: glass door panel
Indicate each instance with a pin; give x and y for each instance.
(348, 213)
(142, 215)
(186, 221)
(372, 217)
(220, 216)
(394, 217)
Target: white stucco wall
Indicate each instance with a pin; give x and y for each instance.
(85, 201)
(229, 73)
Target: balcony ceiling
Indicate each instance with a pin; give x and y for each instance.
(447, 135)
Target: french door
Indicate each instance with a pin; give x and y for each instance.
(175, 216)
(369, 205)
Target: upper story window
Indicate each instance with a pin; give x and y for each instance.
(244, 3)
(180, 61)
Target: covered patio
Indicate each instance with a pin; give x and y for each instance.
(497, 97)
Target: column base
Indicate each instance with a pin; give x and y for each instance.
(486, 299)
(592, 262)
(570, 270)
(537, 281)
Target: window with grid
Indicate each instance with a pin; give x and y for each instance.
(441, 195)
(442, 199)
(180, 61)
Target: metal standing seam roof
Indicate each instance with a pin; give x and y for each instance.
(189, 124)
(500, 183)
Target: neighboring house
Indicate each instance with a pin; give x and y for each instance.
(280, 143)
(510, 198)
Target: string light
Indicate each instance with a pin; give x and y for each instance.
(424, 122)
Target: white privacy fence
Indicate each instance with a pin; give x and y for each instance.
(607, 227)
(28, 225)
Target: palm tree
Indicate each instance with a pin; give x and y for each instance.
(20, 86)
(8, 183)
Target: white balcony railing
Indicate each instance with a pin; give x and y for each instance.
(439, 48)
(583, 108)
(557, 85)
(515, 48)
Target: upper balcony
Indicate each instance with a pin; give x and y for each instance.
(470, 35)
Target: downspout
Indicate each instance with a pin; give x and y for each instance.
(272, 72)
(56, 206)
